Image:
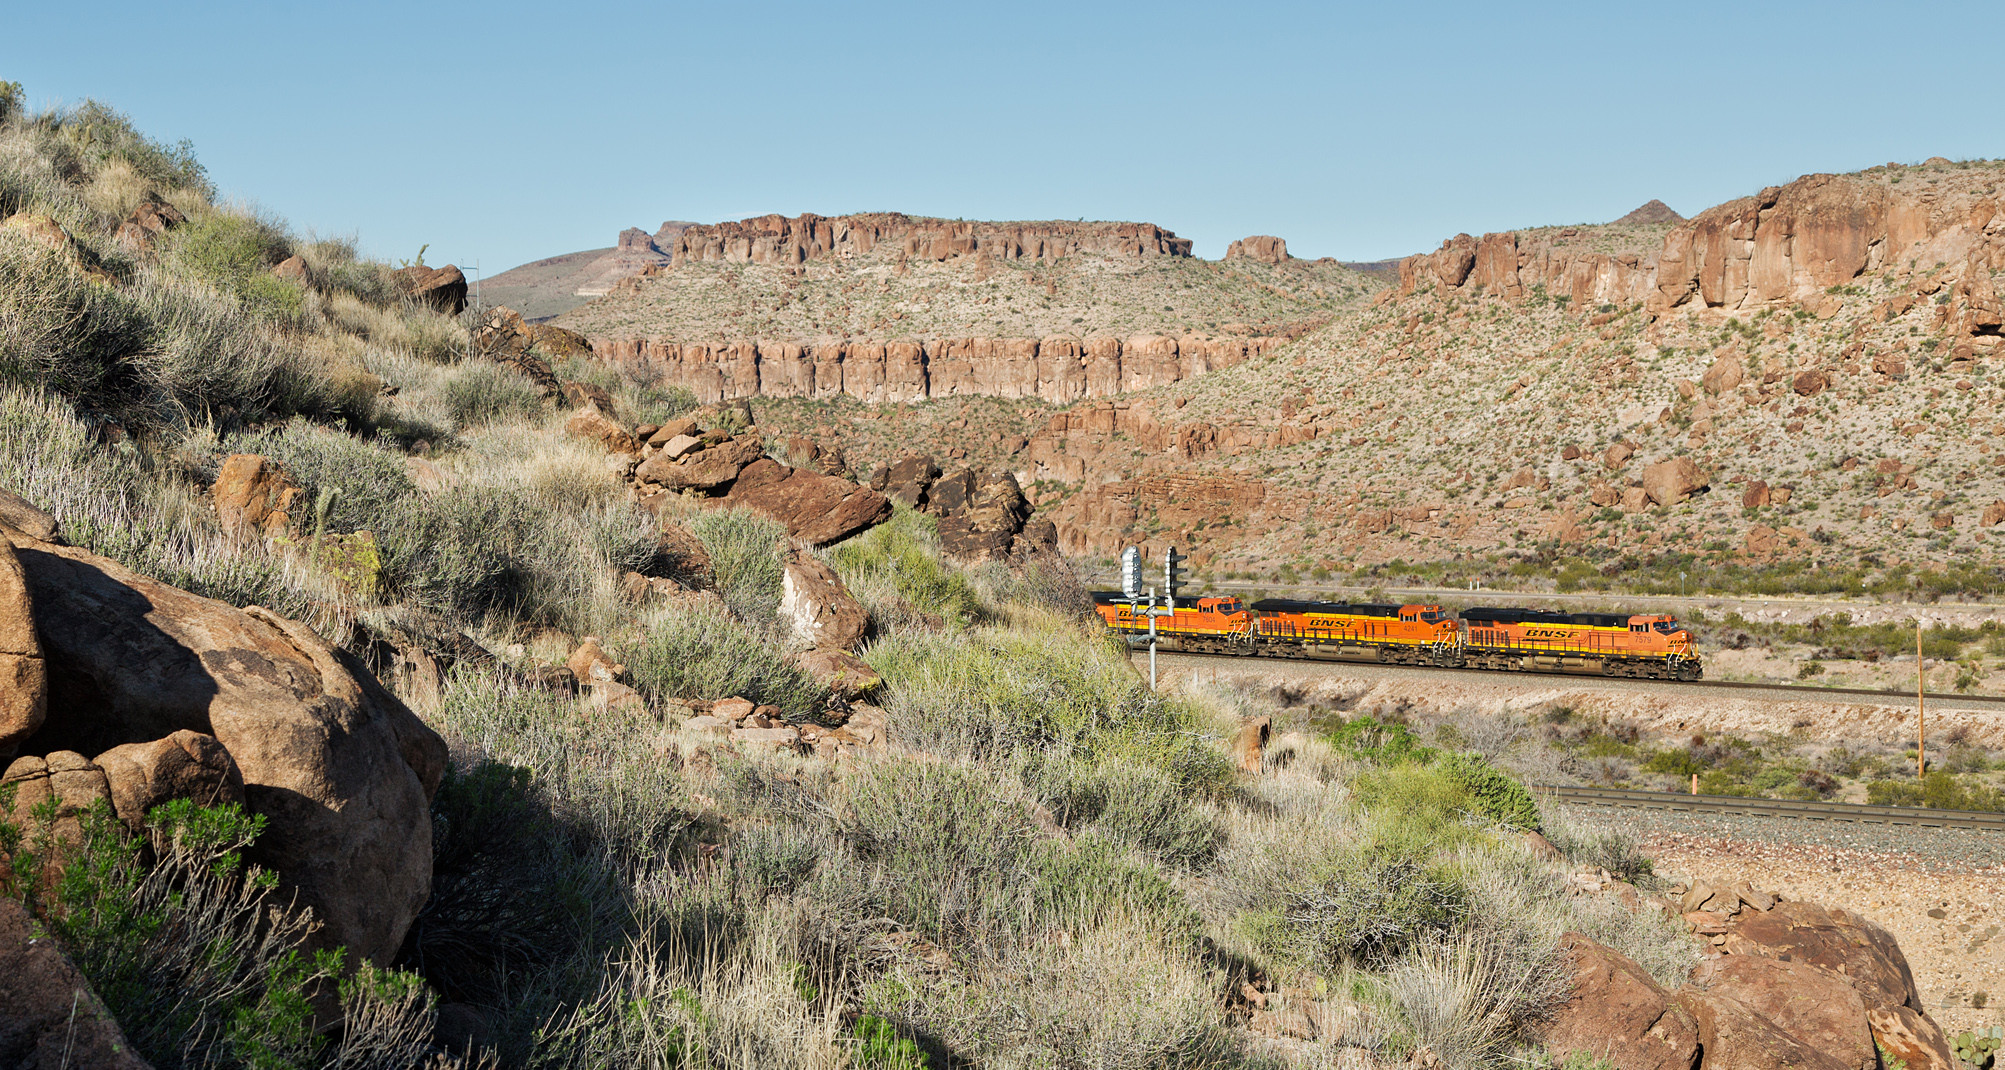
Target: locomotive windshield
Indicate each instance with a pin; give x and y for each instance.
(1432, 618)
(1666, 627)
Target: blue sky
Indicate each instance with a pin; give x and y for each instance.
(504, 132)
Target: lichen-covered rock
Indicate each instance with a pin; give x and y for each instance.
(818, 606)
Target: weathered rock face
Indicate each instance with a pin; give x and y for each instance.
(442, 288)
(1058, 369)
(253, 496)
(184, 765)
(816, 509)
(1813, 1005)
(340, 769)
(817, 605)
(777, 239)
(1832, 939)
(24, 684)
(1619, 1013)
(49, 1017)
(1262, 247)
(1735, 1037)
(593, 425)
(1672, 481)
(1786, 243)
(983, 516)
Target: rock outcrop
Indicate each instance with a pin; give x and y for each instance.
(817, 606)
(49, 1017)
(1781, 984)
(1787, 243)
(733, 469)
(340, 769)
(442, 288)
(1262, 247)
(1058, 369)
(152, 218)
(253, 495)
(982, 516)
(778, 239)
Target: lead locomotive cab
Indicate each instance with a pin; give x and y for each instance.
(1640, 645)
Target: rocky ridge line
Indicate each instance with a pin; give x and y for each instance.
(778, 239)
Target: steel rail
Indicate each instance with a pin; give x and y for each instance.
(1780, 808)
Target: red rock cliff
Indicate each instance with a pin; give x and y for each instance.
(1786, 243)
(777, 239)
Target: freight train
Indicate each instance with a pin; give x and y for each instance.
(1651, 646)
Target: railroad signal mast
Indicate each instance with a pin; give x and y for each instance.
(1131, 585)
(1173, 575)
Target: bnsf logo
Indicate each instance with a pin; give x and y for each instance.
(1546, 633)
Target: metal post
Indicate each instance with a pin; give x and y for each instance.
(1920, 707)
(1152, 638)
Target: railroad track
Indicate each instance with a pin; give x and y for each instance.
(1781, 808)
(1903, 698)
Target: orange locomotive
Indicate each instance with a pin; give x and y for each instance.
(1503, 638)
(1612, 644)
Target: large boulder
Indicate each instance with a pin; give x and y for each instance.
(49, 1017)
(702, 469)
(1834, 939)
(1813, 1005)
(1736, 1037)
(253, 495)
(816, 509)
(23, 674)
(184, 765)
(987, 526)
(1670, 482)
(818, 607)
(342, 771)
(442, 288)
(1725, 373)
(1619, 1013)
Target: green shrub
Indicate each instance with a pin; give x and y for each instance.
(235, 254)
(700, 653)
(201, 962)
(62, 332)
(744, 549)
(1367, 904)
(1381, 743)
(1937, 791)
(1496, 796)
(900, 560)
(990, 695)
(477, 393)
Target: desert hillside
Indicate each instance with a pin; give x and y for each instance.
(389, 680)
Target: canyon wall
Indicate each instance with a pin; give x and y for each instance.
(778, 239)
(1786, 243)
(1059, 370)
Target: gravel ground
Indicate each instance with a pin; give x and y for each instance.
(1940, 892)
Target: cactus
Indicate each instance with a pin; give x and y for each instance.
(1978, 1050)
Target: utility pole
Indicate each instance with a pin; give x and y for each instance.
(1131, 585)
(1920, 708)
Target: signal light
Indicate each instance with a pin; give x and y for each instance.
(1173, 574)
(1131, 572)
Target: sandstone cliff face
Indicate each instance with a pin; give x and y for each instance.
(778, 239)
(1057, 369)
(1262, 247)
(1786, 243)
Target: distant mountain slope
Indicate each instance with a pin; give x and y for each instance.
(557, 284)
